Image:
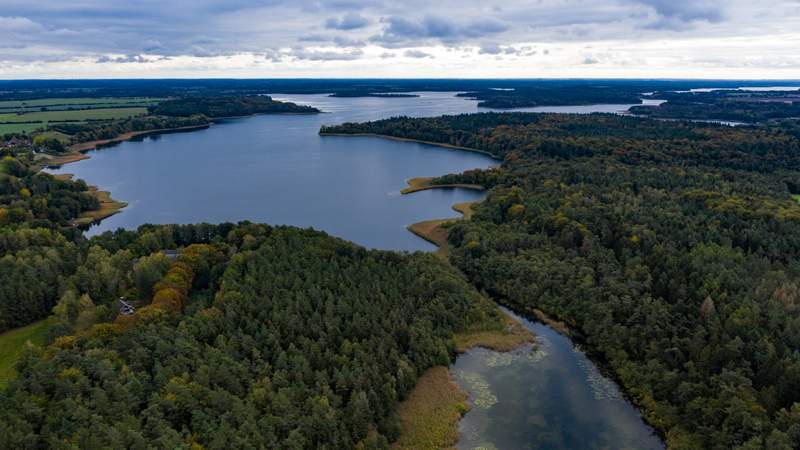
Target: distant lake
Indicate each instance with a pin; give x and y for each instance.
(276, 169)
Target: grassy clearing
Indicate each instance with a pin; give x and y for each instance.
(501, 337)
(466, 209)
(433, 231)
(796, 198)
(76, 115)
(108, 207)
(64, 138)
(13, 342)
(429, 416)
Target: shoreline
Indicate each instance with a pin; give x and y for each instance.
(77, 152)
(421, 184)
(431, 413)
(431, 230)
(416, 141)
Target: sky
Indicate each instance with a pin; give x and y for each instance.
(731, 39)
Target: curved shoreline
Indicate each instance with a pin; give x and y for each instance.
(416, 141)
(422, 184)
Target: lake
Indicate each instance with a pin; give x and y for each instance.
(545, 396)
(276, 169)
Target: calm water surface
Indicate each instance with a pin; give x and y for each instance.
(276, 169)
(545, 396)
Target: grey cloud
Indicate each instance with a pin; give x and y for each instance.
(400, 30)
(324, 55)
(57, 30)
(352, 21)
(495, 49)
(680, 14)
(346, 42)
(122, 59)
(417, 54)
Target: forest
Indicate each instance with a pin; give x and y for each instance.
(37, 244)
(670, 248)
(729, 105)
(243, 335)
(252, 337)
(230, 106)
(523, 97)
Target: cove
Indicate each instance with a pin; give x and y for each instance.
(548, 395)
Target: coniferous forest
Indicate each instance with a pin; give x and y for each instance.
(671, 247)
(253, 337)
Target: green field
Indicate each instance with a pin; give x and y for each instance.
(19, 127)
(76, 103)
(13, 342)
(77, 115)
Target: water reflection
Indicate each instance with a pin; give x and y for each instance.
(545, 396)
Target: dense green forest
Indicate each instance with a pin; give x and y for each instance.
(671, 247)
(36, 243)
(530, 96)
(258, 337)
(79, 133)
(232, 106)
(730, 105)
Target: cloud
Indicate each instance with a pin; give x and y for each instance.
(352, 21)
(346, 42)
(590, 60)
(495, 49)
(109, 33)
(400, 30)
(326, 55)
(680, 14)
(418, 54)
(122, 59)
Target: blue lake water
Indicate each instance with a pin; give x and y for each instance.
(277, 169)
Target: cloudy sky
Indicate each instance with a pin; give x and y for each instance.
(408, 38)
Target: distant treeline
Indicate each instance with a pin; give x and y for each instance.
(732, 105)
(522, 97)
(672, 247)
(230, 106)
(36, 89)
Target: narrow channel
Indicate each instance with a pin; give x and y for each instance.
(548, 395)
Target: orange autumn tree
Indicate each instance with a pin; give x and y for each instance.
(172, 292)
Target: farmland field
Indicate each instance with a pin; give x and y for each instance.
(77, 115)
(6, 128)
(76, 103)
